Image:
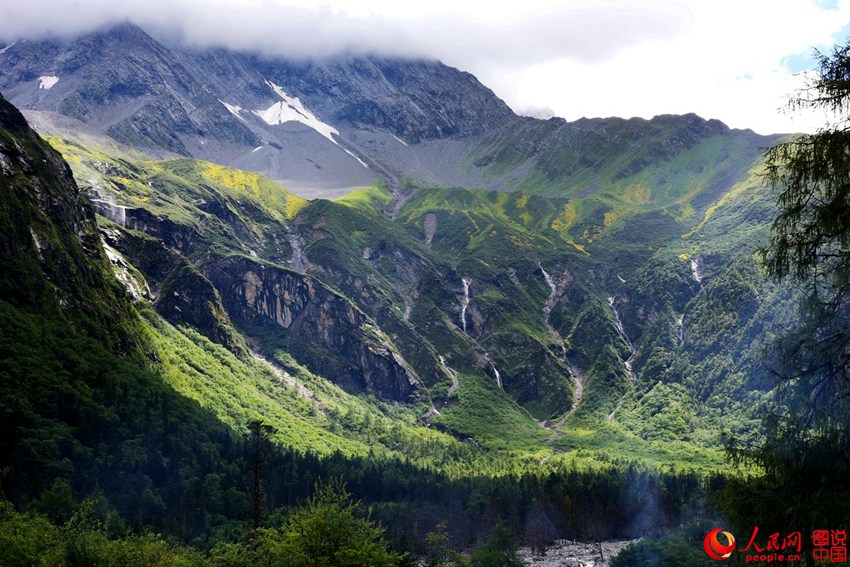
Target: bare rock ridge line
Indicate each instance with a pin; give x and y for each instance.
(555, 295)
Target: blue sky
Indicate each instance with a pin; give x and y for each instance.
(735, 60)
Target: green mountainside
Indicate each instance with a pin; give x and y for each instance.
(140, 359)
(481, 355)
(472, 307)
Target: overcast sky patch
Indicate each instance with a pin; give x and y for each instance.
(728, 59)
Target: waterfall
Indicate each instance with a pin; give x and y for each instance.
(451, 374)
(696, 269)
(297, 261)
(464, 303)
(619, 323)
(554, 296)
(548, 279)
(680, 321)
(622, 331)
(498, 377)
(115, 213)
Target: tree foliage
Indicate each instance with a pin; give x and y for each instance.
(806, 453)
(328, 532)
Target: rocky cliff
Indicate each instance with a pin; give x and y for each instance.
(316, 325)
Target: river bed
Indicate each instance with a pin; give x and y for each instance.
(565, 553)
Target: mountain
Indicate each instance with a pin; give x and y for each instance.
(323, 127)
(396, 290)
(497, 292)
(232, 108)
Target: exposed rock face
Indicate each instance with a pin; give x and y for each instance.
(188, 297)
(321, 328)
(50, 252)
(176, 236)
(122, 82)
(415, 100)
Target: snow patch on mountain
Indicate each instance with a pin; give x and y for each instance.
(233, 109)
(363, 163)
(47, 82)
(7, 48)
(290, 109)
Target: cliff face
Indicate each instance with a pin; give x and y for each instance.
(415, 100)
(51, 259)
(318, 326)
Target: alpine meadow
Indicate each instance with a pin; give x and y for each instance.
(352, 310)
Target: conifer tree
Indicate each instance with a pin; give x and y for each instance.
(805, 456)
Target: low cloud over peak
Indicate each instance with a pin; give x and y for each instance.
(579, 58)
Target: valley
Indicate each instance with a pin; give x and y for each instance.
(375, 267)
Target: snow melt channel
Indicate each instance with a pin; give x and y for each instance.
(556, 291)
(464, 302)
(451, 373)
(627, 363)
(233, 109)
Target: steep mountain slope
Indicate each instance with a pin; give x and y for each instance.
(590, 278)
(73, 366)
(108, 400)
(323, 127)
(479, 294)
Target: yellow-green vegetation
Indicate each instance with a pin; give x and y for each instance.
(637, 194)
(367, 199)
(272, 195)
(565, 218)
(306, 412)
(174, 187)
(753, 182)
(183, 436)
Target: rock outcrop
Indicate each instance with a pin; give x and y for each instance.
(319, 327)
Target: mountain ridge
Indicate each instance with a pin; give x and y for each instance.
(397, 120)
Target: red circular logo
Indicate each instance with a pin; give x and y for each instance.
(715, 549)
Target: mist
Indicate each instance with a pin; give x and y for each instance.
(535, 33)
(568, 58)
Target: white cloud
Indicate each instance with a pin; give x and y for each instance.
(721, 59)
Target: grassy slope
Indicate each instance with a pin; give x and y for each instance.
(483, 235)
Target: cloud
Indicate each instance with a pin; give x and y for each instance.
(515, 34)
(726, 58)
